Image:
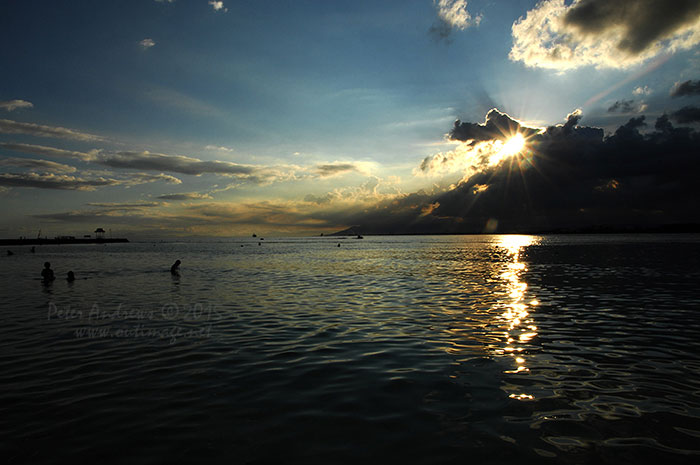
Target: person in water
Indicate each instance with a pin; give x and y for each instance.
(70, 277)
(47, 273)
(175, 269)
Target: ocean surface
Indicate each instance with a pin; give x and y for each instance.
(422, 349)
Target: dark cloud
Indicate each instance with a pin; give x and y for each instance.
(44, 151)
(157, 162)
(185, 196)
(37, 165)
(569, 177)
(622, 106)
(335, 168)
(172, 163)
(53, 181)
(440, 30)
(78, 183)
(684, 89)
(498, 126)
(15, 127)
(124, 205)
(686, 115)
(643, 22)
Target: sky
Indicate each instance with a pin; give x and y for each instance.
(158, 118)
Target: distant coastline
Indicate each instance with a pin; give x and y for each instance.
(688, 228)
(60, 240)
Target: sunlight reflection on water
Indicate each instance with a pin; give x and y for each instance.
(515, 320)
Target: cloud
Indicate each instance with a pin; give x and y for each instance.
(687, 115)
(622, 106)
(602, 33)
(451, 14)
(685, 89)
(570, 176)
(454, 13)
(173, 163)
(42, 150)
(147, 161)
(482, 144)
(147, 43)
(11, 105)
(642, 90)
(627, 106)
(218, 148)
(54, 181)
(218, 6)
(498, 126)
(66, 182)
(185, 196)
(334, 169)
(37, 165)
(131, 179)
(124, 205)
(15, 127)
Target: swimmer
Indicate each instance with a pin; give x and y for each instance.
(175, 269)
(47, 273)
(70, 277)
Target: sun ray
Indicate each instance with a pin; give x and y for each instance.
(513, 145)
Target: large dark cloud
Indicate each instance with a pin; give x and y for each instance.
(687, 115)
(644, 22)
(569, 177)
(686, 88)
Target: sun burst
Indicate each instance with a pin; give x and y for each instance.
(514, 145)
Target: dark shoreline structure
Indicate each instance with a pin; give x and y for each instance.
(61, 240)
(687, 228)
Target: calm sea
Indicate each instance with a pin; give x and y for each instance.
(449, 349)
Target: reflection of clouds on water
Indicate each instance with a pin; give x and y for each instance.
(514, 317)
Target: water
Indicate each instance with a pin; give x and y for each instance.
(469, 349)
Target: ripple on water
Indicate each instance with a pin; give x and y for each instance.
(423, 349)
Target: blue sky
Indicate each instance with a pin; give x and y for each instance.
(309, 109)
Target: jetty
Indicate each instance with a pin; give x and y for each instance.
(99, 238)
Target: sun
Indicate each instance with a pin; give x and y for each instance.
(514, 145)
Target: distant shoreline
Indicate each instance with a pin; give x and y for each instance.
(59, 241)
